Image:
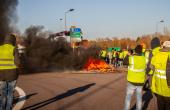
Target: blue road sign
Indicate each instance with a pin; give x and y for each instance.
(77, 30)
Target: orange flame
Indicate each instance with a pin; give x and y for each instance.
(96, 64)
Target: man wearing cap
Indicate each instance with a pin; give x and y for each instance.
(9, 59)
(160, 65)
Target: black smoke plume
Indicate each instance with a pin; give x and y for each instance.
(43, 54)
(8, 17)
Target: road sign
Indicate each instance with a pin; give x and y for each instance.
(75, 32)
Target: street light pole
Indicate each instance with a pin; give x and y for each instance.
(65, 17)
(161, 21)
(65, 22)
(61, 27)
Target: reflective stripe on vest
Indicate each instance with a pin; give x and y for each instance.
(161, 71)
(137, 70)
(132, 67)
(161, 75)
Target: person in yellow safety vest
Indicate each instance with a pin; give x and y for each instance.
(114, 54)
(146, 86)
(9, 59)
(143, 51)
(126, 59)
(147, 55)
(160, 65)
(109, 55)
(125, 52)
(144, 48)
(135, 77)
(155, 46)
(121, 55)
(116, 58)
(121, 58)
(103, 54)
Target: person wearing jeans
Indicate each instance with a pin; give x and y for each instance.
(7, 94)
(9, 61)
(135, 77)
(130, 90)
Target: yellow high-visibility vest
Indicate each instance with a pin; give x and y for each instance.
(103, 53)
(136, 69)
(156, 50)
(159, 80)
(7, 57)
(121, 55)
(125, 53)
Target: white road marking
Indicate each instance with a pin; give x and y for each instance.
(22, 94)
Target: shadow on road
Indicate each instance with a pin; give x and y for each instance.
(19, 99)
(66, 106)
(147, 96)
(59, 97)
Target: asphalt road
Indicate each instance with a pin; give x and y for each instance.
(77, 91)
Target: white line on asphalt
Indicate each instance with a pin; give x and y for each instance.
(22, 94)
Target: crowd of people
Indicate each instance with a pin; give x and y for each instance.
(114, 56)
(149, 67)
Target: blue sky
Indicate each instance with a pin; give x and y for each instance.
(97, 18)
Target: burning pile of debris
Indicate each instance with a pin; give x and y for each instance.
(94, 64)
